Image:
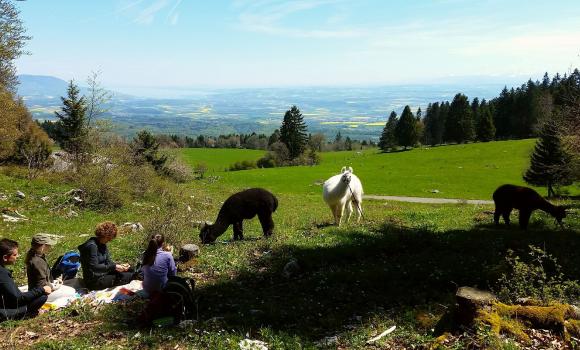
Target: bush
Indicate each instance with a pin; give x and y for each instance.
(243, 165)
(538, 277)
(266, 161)
(177, 171)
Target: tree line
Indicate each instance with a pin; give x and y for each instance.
(516, 113)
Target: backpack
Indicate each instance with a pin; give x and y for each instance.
(176, 302)
(66, 265)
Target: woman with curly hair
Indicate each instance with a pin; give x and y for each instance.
(99, 271)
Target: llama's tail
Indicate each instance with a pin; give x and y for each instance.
(275, 204)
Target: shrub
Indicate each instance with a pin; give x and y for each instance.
(539, 277)
(266, 161)
(177, 171)
(243, 165)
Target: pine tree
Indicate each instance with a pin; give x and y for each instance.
(73, 124)
(406, 130)
(293, 132)
(145, 147)
(459, 124)
(388, 140)
(485, 127)
(549, 164)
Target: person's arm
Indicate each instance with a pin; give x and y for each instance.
(93, 260)
(10, 291)
(172, 269)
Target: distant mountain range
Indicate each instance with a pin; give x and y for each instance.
(359, 112)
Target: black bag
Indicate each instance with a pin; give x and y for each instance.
(176, 301)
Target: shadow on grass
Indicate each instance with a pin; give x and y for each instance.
(389, 269)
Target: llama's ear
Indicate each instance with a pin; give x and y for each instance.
(350, 169)
(343, 169)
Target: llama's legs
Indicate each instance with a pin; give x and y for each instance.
(348, 210)
(267, 223)
(506, 216)
(340, 213)
(238, 230)
(358, 206)
(524, 218)
(496, 216)
(334, 214)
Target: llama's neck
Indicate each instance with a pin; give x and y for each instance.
(340, 189)
(548, 207)
(220, 226)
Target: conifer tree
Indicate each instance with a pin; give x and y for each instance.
(73, 124)
(485, 127)
(145, 147)
(549, 164)
(406, 129)
(388, 139)
(293, 132)
(459, 123)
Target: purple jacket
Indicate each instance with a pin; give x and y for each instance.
(155, 276)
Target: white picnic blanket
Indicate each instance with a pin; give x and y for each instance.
(66, 294)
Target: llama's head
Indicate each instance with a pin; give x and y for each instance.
(206, 234)
(346, 175)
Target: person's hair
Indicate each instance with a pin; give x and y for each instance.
(106, 228)
(155, 243)
(6, 247)
(32, 251)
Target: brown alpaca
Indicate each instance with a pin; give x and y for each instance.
(238, 207)
(526, 200)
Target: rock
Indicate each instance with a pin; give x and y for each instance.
(328, 341)
(3, 197)
(188, 252)
(20, 194)
(45, 198)
(251, 344)
(434, 191)
(469, 300)
(74, 192)
(291, 268)
(131, 227)
(61, 162)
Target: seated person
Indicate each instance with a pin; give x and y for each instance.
(99, 271)
(13, 303)
(37, 269)
(158, 265)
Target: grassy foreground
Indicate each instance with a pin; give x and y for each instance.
(400, 266)
(470, 171)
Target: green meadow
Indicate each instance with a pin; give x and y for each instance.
(401, 265)
(470, 171)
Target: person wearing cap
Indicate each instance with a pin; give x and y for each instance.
(37, 269)
(99, 271)
(15, 304)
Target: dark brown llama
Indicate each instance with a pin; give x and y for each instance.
(238, 207)
(524, 199)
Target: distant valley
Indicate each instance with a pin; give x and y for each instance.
(358, 112)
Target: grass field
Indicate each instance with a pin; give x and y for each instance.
(471, 171)
(400, 266)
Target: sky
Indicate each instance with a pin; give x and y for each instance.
(274, 43)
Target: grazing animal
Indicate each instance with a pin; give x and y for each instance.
(526, 200)
(241, 206)
(341, 191)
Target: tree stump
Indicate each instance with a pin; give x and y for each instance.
(188, 252)
(469, 300)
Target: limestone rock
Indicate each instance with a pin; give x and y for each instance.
(20, 194)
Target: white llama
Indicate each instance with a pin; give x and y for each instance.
(340, 191)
